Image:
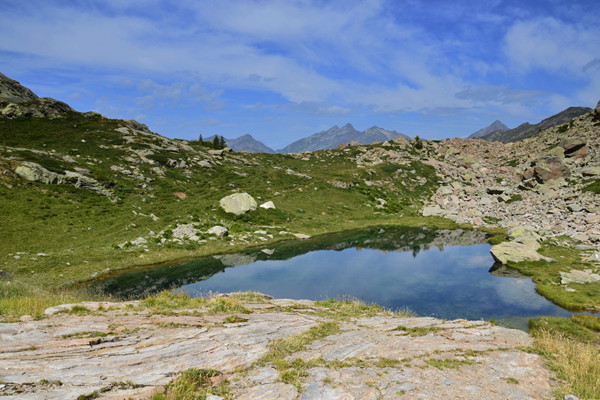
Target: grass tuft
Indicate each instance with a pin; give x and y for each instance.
(195, 384)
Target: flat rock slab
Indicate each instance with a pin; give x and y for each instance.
(382, 357)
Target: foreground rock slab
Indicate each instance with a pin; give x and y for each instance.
(385, 356)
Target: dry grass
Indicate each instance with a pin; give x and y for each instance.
(17, 300)
(576, 363)
(168, 302)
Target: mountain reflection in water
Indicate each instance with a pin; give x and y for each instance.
(443, 273)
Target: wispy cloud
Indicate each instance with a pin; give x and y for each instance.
(323, 59)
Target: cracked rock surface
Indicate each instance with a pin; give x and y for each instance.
(385, 356)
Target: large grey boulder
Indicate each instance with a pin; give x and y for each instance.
(516, 252)
(238, 203)
(36, 173)
(218, 230)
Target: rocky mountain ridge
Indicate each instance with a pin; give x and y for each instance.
(526, 129)
(335, 136)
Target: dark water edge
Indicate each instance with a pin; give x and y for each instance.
(441, 273)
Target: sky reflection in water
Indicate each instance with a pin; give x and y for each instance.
(451, 283)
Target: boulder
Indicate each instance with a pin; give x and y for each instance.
(597, 112)
(516, 252)
(550, 168)
(268, 205)
(353, 143)
(578, 276)
(36, 173)
(218, 230)
(432, 211)
(575, 147)
(238, 203)
(185, 231)
(525, 236)
(590, 171)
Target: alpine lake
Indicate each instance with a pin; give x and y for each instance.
(440, 273)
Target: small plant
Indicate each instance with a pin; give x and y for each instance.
(418, 144)
(512, 380)
(234, 319)
(418, 331)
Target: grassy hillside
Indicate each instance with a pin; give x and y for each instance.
(54, 235)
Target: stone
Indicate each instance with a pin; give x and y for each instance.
(353, 143)
(550, 168)
(5, 276)
(516, 252)
(525, 236)
(301, 236)
(571, 145)
(597, 112)
(495, 190)
(218, 230)
(238, 203)
(590, 171)
(268, 205)
(268, 252)
(36, 173)
(185, 231)
(578, 276)
(432, 211)
(216, 152)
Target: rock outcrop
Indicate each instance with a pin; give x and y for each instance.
(126, 350)
(36, 173)
(12, 91)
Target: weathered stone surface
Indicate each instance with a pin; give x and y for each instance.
(238, 203)
(36, 173)
(590, 171)
(269, 205)
(578, 276)
(550, 168)
(87, 353)
(12, 91)
(516, 252)
(218, 230)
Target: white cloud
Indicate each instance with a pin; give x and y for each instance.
(552, 45)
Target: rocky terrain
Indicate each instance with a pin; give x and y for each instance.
(268, 349)
(526, 129)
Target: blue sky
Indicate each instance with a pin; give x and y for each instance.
(281, 70)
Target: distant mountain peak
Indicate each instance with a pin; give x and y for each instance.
(248, 144)
(497, 125)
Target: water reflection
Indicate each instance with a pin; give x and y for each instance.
(440, 273)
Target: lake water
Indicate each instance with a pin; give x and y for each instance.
(445, 274)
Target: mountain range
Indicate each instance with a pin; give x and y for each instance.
(526, 130)
(329, 139)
